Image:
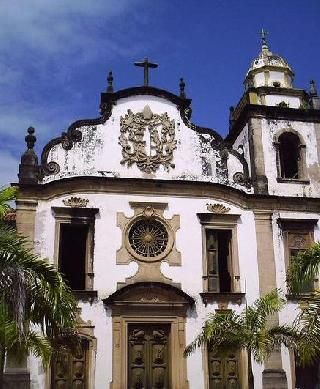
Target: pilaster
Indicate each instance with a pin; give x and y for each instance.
(260, 181)
(17, 374)
(273, 376)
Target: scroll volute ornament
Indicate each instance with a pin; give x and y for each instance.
(148, 238)
(147, 140)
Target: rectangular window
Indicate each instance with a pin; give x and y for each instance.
(297, 237)
(218, 259)
(220, 254)
(74, 245)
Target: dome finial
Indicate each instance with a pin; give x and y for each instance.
(264, 42)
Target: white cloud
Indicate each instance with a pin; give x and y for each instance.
(60, 26)
(41, 42)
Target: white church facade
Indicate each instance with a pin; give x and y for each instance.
(156, 222)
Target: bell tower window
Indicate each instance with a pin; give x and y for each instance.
(289, 151)
(291, 157)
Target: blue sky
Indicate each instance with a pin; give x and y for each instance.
(55, 56)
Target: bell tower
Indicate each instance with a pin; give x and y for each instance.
(274, 123)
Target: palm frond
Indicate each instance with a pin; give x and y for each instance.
(220, 330)
(303, 269)
(263, 308)
(251, 330)
(6, 194)
(308, 325)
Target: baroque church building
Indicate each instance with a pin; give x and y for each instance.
(156, 222)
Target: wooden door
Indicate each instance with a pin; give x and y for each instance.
(223, 371)
(70, 371)
(148, 356)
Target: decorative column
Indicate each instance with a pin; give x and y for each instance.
(273, 375)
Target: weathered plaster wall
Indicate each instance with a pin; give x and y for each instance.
(267, 78)
(242, 142)
(99, 153)
(189, 275)
(292, 102)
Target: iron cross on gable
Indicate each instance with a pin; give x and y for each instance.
(146, 65)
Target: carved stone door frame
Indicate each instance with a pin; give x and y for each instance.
(149, 303)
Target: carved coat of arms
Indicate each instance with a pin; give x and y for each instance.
(147, 139)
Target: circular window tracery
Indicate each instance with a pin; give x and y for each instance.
(148, 237)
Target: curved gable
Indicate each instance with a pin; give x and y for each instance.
(143, 132)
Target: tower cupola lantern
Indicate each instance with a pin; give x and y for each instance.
(269, 69)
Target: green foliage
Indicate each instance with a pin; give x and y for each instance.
(248, 330)
(32, 287)
(33, 342)
(308, 327)
(37, 308)
(6, 195)
(303, 269)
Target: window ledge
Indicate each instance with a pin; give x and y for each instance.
(234, 297)
(293, 180)
(85, 295)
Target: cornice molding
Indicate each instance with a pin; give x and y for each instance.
(270, 112)
(173, 188)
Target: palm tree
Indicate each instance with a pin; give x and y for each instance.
(33, 295)
(303, 270)
(250, 330)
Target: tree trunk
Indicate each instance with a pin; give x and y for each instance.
(250, 373)
(2, 360)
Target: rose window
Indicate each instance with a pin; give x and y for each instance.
(148, 237)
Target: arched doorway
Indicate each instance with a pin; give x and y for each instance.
(148, 321)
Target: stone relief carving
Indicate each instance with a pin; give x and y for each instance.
(217, 208)
(76, 202)
(147, 140)
(148, 239)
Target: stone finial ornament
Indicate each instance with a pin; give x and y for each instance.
(28, 168)
(315, 99)
(75, 202)
(182, 86)
(217, 208)
(110, 82)
(30, 138)
(313, 88)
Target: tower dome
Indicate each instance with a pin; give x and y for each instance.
(269, 69)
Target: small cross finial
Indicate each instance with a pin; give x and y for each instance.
(30, 138)
(263, 35)
(182, 86)
(146, 65)
(110, 83)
